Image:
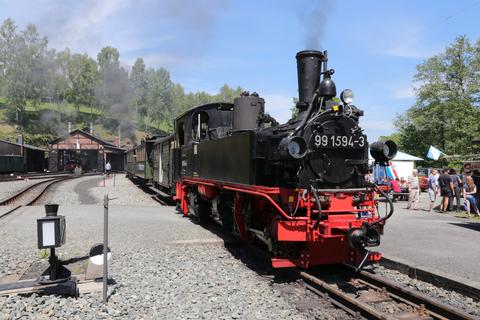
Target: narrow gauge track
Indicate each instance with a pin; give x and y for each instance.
(368, 296)
(32, 176)
(29, 195)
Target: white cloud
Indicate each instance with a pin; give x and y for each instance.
(135, 28)
(165, 59)
(404, 39)
(410, 47)
(377, 124)
(406, 92)
(278, 106)
(82, 27)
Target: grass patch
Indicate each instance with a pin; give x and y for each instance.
(463, 215)
(7, 131)
(43, 253)
(62, 107)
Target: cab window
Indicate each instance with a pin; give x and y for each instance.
(200, 126)
(181, 133)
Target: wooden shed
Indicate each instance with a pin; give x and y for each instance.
(32, 159)
(86, 150)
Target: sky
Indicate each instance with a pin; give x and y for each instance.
(373, 46)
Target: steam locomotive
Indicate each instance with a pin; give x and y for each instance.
(298, 188)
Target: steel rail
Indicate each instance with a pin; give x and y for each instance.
(434, 308)
(343, 300)
(33, 176)
(21, 192)
(59, 178)
(431, 307)
(24, 191)
(48, 185)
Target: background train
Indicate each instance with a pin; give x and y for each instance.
(298, 188)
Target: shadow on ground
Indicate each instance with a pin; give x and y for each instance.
(469, 225)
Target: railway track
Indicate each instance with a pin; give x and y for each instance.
(29, 196)
(33, 176)
(368, 296)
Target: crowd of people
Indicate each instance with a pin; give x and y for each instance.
(456, 191)
(449, 186)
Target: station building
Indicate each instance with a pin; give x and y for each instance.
(14, 159)
(86, 150)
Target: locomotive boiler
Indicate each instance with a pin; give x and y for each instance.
(298, 188)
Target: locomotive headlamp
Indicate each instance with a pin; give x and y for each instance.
(383, 151)
(295, 147)
(347, 96)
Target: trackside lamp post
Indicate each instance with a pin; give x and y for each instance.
(56, 279)
(51, 235)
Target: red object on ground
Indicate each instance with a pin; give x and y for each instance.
(302, 237)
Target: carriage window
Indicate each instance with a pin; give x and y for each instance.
(200, 126)
(181, 133)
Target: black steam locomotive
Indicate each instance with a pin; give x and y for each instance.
(299, 187)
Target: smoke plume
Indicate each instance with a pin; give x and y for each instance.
(116, 95)
(121, 112)
(313, 19)
(52, 120)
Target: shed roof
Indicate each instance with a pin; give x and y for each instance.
(25, 145)
(97, 139)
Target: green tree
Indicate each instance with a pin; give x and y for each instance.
(22, 66)
(60, 75)
(159, 98)
(114, 87)
(138, 84)
(228, 94)
(106, 57)
(83, 77)
(446, 113)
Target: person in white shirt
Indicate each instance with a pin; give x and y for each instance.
(413, 190)
(108, 168)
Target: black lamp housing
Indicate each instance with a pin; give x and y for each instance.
(51, 228)
(383, 151)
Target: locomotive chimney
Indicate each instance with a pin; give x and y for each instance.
(309, 66)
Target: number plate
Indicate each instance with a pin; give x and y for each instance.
(338, 141)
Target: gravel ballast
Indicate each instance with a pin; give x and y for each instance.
(91, 190)
(156, 277)
(452, 298)
(9, 188)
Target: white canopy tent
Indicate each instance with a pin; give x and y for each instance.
(402, 164)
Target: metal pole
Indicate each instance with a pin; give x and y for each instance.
(114, 179)
(105, 246)
(53, 264)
